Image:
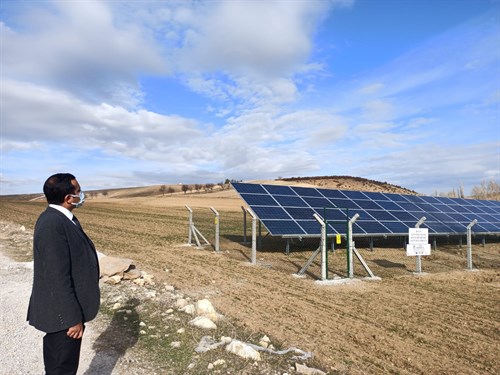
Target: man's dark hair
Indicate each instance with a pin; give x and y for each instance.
(57, 187)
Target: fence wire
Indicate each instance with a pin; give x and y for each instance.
(386, 257)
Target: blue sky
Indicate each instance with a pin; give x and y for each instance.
(133, 93)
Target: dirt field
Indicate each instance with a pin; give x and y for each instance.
(437, 323)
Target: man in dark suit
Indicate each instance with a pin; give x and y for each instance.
(65, 291)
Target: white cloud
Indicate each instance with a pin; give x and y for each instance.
(58, 46)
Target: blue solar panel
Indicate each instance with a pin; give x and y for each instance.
(249, 188)
(368, 205)
(343, 203)
(376, 196)
(288, 211)
(390, 206)
(382, 215)
(306, 192)
(300, 213)
(259, 200)
(318, 202)
(283, 227)
(373, 227)
(280, 190)
(264, 213)
(332, 193)
(288, 201)
(311, 227)
(355, 195)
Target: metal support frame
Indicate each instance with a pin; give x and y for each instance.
(469, 244)
(216, 228)
(254, 236)
(260, 236)
(244, 225)
(193, 231)
(320, 250)
(419, 257)
(350, 246)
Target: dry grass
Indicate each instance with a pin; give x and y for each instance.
(443, 322)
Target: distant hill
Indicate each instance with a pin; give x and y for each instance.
(329, 182)
(351, 183)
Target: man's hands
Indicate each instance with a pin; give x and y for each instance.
(75, 332)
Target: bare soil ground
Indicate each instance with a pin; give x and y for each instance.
(437, 323)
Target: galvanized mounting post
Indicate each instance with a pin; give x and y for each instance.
(190, 229)
(351, 245)
(244, 225)
(260, 235)
(193, 231)
(419, 257)
(323, 246)
(287, 248)
(254, 236)
(469, 244)
(216, 228)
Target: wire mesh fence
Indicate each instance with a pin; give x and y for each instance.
(386, 257)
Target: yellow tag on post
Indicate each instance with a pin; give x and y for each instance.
(338, 239)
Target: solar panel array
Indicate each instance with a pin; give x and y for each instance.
(288, 211)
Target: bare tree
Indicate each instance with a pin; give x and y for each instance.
(197, 187)
(170, 190)
(163, 188)
(185, 188)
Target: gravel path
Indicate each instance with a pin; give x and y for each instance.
(21, 343)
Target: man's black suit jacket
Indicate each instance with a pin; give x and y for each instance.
(66, 274)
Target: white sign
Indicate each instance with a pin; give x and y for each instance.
(418, 236)
(417, 249)
(418, 242)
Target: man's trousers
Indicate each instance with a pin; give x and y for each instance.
(61, 353)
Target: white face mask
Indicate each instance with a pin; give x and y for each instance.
(82, 199)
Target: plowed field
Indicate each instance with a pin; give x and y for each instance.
(437, 323)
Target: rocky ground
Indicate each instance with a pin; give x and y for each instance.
(131, 311)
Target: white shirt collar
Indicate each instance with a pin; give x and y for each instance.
(64, 210)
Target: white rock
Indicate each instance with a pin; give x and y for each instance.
(23, 228)
(116, 306)
(142, 324)
(204, 307)
(113, 280)
(142, 332)
(264, 341)
(169, 311)
(169, 288)
(210, 366)
(110, 266)
(148, 279)
(181, 330)
(150, 294)
(189, 309)
(225, 339)
(180, 303)
(139, 282)
(175, 344)
(202, 322)
(132, 274)
(243, 350)
(303, 369)
(219, 362)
